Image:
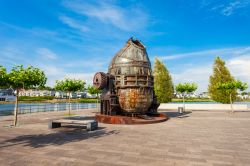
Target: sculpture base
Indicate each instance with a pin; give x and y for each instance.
(118, 119)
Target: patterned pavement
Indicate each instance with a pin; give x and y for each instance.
(213, 138)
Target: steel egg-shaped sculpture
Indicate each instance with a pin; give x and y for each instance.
(128, 87)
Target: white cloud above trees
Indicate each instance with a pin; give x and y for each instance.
(47, 53)
(132, 18)
(237, 60)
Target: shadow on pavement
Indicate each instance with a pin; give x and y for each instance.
(174, 114)
(58, 138)
(81, 118)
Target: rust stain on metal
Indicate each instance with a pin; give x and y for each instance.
(130, 120)
(133, 97)
(122, 99)
(128, 87)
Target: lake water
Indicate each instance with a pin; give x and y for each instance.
(7, 109)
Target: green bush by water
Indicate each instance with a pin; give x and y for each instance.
(39, 98)
(52, 99)
(87, 100)
(192, 100)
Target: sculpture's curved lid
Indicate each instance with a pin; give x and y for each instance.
(133, 53)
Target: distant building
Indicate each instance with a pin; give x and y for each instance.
(204, 95)
(88, 95)
(81, 94)
(180, 95)
(57, 94)
(60, 94)
(36, 93)
(7, 95)
(64, 95)
(243, 96)
(72, 95)
(192, 95)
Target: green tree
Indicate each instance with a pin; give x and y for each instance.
(184, 89)
(230, 88)
(69, 85)
(3, 77)
(93, 90)
(220, 75)
(20, 77)
(163, 84)
(46, 88)
(244, 93)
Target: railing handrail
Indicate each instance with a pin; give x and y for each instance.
(23, 109)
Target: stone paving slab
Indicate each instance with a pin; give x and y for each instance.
(205, 138)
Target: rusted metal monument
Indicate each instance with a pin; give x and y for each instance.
(128, 88)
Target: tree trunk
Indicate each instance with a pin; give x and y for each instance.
(16, 108)
(232, 111)
(183, 100)
(69, 104)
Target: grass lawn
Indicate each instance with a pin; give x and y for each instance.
(192, 100)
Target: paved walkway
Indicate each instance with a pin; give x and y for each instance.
(197, 138)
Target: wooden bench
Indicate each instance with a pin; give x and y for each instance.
(90, 124)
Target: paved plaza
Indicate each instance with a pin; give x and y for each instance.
(213, 138)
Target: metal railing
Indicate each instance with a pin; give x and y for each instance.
(7, 109)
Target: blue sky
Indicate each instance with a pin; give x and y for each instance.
(76, 38)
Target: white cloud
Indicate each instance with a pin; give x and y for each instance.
(7, 61)
(87, 77)
(52, 70)
(226, 8)
(11, 56)
(47, 53)
(93, 63)
(233, 6)
(237, 60)
(59, 36)
(131, 18)
(197, 53)
(74, 24)
(240, 67)
(198, 74)
(54, 73)
(11, 53)
(213, 52)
